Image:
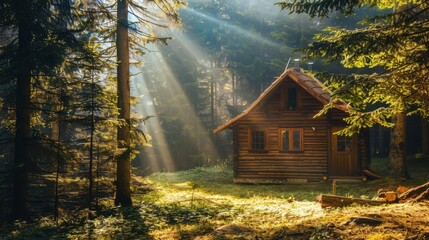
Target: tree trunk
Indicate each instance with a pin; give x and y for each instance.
(397, 153)
(212, 103)
(234, 92)
(123, 192)
(425, 137)
(91, 146)
(20, 209)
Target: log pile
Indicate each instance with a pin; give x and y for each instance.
(401, 195)
(390, 196)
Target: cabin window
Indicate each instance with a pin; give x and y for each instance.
(257, 140)
(291, 102)
(290, 98)
(344, 144)
(290, 139)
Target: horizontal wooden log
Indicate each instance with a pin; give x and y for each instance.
(281, 176)
(371, 174)
(339, 201)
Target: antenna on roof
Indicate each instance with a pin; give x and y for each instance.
(310, 66)
(287, 65)
(296, 62)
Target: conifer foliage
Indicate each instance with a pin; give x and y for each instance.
(60, 105)
(394, 44)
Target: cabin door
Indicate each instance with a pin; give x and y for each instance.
(343, 160)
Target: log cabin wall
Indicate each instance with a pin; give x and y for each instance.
(273, 165)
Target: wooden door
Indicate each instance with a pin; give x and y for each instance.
(343, 160)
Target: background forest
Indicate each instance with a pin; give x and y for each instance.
(221, 59)
(60, 66)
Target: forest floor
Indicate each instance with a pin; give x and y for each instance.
(203, 203)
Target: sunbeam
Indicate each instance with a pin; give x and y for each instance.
(159, 159)
(177, 108)
(234, 28)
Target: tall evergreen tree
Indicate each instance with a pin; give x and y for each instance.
(35, 46)
(123, 171)
(152, 19)
(22, 161)
(43, 39)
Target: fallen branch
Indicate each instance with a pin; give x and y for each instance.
(416, 194)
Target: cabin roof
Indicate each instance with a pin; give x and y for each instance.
(310, 84)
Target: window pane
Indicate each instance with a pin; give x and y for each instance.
(285, 140)
(348, 144)
(341, 146)
(258, 140)
(291, 99)
(296, 141)
(344, 144)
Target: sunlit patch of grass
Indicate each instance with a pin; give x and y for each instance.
(218, 180)
(263, 208)
(267, 209)
(383, 236)
(203, 203)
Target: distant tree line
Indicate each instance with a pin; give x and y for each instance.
(243, 51)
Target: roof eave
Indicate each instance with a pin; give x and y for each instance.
(256, 102)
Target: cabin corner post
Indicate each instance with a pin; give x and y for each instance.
(329, 150)
(364, 153)
(235, 136)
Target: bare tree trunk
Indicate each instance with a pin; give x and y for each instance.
(425, 137)
(56, 136)
(91, 146)
(20, 209)
(212, 103)
(123, 171)
(234, 97)
(397, 153)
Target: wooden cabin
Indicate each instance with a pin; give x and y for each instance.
(277, 139)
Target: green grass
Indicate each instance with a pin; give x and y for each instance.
(218, 181)
(203, 202)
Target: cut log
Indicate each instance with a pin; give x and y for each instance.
(401, 189)
(418, 193)
(338, 201)
(390, 196)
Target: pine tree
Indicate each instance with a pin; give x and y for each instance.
(44, 49)
(150, 19)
